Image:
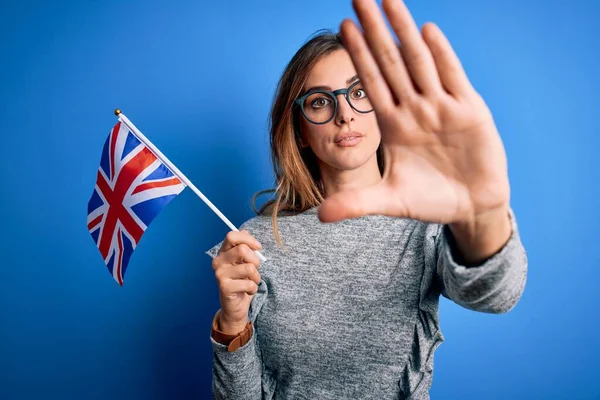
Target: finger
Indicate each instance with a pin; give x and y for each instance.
(415, 52)
(452, 74)
(233, 286)
(240, 254)
(356, 203)
(235, 238)
(368, 72)
(384, 49)
(239, 271)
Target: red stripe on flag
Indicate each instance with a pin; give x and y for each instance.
(142, 160)
(150, 185)
(95, 222)
(116, 211)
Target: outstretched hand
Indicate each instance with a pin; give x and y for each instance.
(444, 158)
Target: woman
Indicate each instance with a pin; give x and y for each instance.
(396, 150)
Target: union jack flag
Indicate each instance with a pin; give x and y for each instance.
(132, 187)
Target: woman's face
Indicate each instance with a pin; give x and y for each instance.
(350, 140)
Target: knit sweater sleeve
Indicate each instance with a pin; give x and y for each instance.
(237, 375)
(495, 286)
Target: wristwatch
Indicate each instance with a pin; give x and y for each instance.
(233, 342)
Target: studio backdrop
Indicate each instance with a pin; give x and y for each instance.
(198, 79)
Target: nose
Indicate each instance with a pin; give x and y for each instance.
(345, 113)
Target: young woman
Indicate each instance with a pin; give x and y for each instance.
(399, 154)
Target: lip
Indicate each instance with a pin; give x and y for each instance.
(348, 137)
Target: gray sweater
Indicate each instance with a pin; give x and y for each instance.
(349, 310)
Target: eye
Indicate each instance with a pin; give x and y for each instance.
(320, 102)
(358, 93)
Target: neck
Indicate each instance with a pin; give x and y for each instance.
(337, 180)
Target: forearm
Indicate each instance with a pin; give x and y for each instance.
(493, 285)
(237, 366)
(237, 375)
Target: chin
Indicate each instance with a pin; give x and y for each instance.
(352, 161)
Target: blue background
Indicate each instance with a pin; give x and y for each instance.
(198, 79)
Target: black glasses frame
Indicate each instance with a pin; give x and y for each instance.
(300, 101)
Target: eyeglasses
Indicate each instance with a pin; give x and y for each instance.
(320, 106)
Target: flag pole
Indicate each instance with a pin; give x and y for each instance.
(178, 173)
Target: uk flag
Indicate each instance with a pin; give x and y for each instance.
(132, 187)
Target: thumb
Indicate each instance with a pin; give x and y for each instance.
(357, 203)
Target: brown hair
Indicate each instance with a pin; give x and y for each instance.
(297, 176)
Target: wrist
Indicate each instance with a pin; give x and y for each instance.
(231, 326)
(234, 341)
(482, 236)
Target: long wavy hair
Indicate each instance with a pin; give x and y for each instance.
(298, 185)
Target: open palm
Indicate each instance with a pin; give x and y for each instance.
(444, 159)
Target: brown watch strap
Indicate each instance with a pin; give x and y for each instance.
(233, 342)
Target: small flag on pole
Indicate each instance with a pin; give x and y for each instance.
(132, 187)
(135, 181)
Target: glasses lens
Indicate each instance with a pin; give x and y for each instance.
(319, 107)
(358, 98)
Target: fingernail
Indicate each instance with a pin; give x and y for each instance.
(257, 243)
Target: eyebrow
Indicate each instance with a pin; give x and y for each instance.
(348, 82)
